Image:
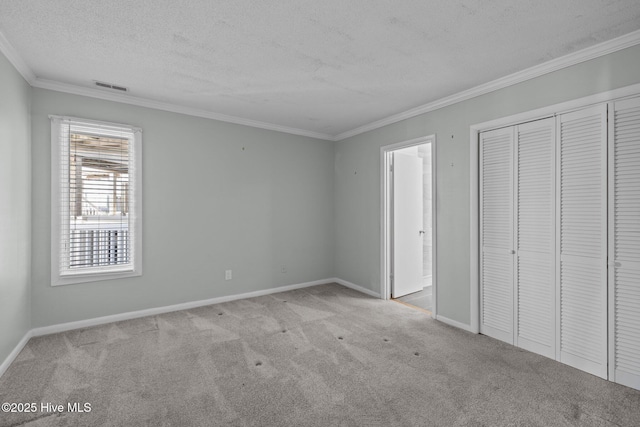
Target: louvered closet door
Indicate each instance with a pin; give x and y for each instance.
(582, 240)
(496, 234)
(624, 248)
(535, 237)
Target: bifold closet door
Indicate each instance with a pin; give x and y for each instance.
(535, 237)
(496, 234)
(582, 240)
(624, 242)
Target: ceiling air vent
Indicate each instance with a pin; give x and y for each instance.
(110, 86)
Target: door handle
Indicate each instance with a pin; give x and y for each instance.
(421, 232)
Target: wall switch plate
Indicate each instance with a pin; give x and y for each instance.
(283, 269)
(228, 275)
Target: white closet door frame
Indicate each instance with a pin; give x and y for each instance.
(626, 369)
(474, 166)
(598, 367)
(506, 332)
(538, 324)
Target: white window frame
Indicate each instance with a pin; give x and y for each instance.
(58, 277)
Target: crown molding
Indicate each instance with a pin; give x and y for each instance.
(15, 59)
(601, 49)
(174, 108)
(21, 66)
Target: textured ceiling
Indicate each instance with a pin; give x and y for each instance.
(326, 66)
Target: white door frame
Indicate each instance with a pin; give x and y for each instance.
(385, 215)
(474, 181)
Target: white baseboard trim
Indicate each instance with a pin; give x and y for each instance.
(16, 351)
(356, 287)
(454, 323)
(63, 327)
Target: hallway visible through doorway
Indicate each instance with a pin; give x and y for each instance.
(410, 211)
(422, 299)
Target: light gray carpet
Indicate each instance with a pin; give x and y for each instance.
(320, 356)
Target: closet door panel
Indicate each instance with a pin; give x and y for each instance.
(582, 240)
(624, 248)
(535, 237)
(496, 234)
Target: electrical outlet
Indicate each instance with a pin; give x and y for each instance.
(228, 274)
(283, 269)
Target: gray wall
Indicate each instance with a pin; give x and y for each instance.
(216, 196)
(15, 207)
(357, 172)
(209, 205)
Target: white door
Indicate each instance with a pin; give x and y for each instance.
(624, 238)
(407, 224)
(535, 237)
(496, 234)
(582, 239)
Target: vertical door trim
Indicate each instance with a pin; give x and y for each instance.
(474, 228)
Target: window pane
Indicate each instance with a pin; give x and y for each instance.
(98, 201)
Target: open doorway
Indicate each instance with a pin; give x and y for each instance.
(409, 223)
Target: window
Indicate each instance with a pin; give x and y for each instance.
(95, 201)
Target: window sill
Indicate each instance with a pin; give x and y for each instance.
(72, 279)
